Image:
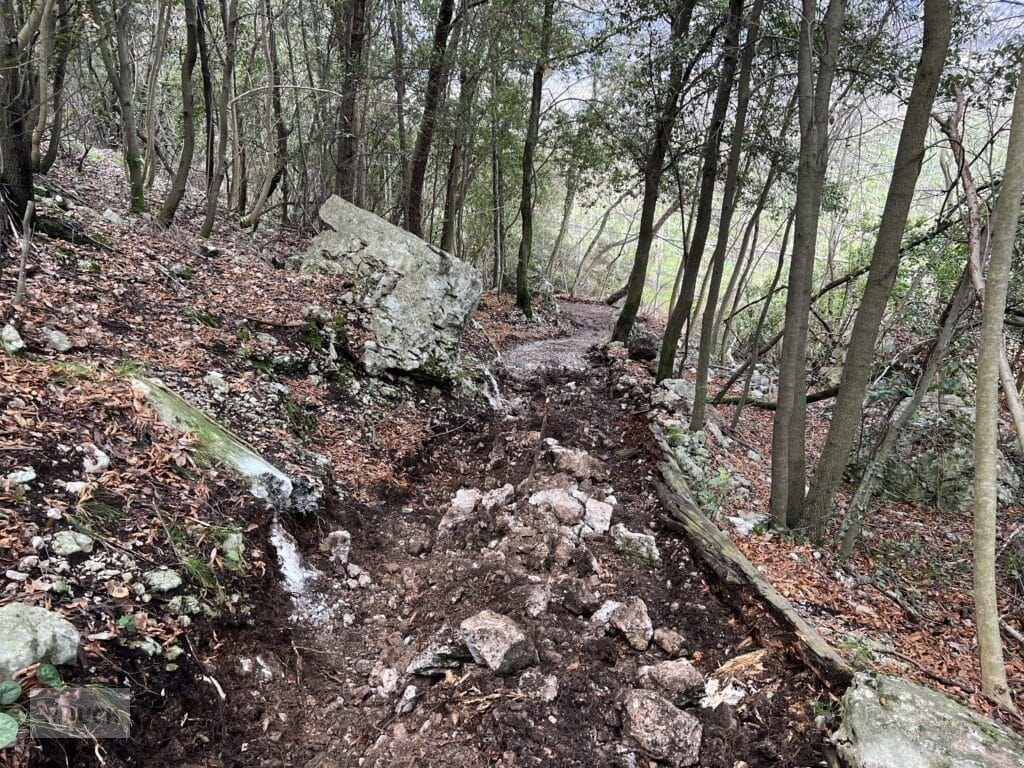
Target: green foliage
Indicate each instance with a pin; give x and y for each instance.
(202, 317)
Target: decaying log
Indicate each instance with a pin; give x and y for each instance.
(738, 575)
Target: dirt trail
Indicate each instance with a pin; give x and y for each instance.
(341, 693)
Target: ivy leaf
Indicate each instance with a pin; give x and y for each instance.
(48, 675)
(8, 730)
(10, 692)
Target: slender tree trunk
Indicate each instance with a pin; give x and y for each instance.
(729, 193)
(348, 144)
(702, 225)
(205, 67)
(523, 298)
(229, 12)
(456, 161)
(152, 91)
(788, 451)
(653, 169)
(15, 148)
(570, 201)
(596, 239)
(119, 71)
(188, 144)
(990, 348)
(64, 44)
(416, 169)
(48, 30)
(846, 413)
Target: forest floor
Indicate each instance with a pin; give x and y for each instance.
(221, 672)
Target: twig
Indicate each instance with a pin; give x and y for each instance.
(26, 249)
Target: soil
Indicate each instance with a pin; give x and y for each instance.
(281, 692)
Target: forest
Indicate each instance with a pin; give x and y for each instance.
(747, 273)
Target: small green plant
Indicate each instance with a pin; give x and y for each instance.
(202, 316)
(12, 713)
(68, 373)
(127, 368)
(301, 421)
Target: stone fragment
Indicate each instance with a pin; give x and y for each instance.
(670, 641)
(659, 730)
(337, 545)
(567, 508)
(598, 516)
(575, 462)
(631, 619)
(678, 680)
(163, 580)
(66, 543)
(29, 634)
(445, 651)
(889, 722)
(497, 642)
(56, 340)
(538, 686)
(10, 340)
(641, 548)
(21, 476)
(499, 497)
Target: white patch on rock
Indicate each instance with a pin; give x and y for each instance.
(497, 642)
(67, 543)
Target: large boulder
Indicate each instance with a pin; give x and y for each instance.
(889, 722)
(417, 298)
(933, 461)
(29, 634)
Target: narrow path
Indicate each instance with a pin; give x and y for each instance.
(527, 538)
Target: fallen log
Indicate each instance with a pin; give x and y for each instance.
(738, 575)
(771, 405)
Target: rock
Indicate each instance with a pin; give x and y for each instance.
(537, 601)
(465, 501)
(163, 580)
(598, 516)
(10, 340)
(29, 634)
(216, 381)
(407, 703)
(679, 681)
(579, 600)
(670, 641)
(57, 340)
(95, 460)
(642, 348)
(181, 270)
(66, 543)
(639, 547)
(497, 642)
(337, 545)
(111, 217)
(673, 392)
(417, 297)
(575, 462)
(603, 614)
(567, 509)
(21, 476)
(889, 722)
(538, 686)
(631, 619)
(418, 544)
(499, 497)
(461, 509)
(661, 731)
(445, 651)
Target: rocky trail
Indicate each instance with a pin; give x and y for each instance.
(505, 602)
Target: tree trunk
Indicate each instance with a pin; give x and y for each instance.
(691, 265)
(653, 169)
(65, 41)
(729, 193)
(15, 148)
(152, 90)
(456, 161)
(416, 169)
(188, 144)
(523, 299)
(119, 72)
(48, 30)
(570, 201)
(229, 12)
(990, 347)
(348, 143)
(846, 413)
(205, 68)
(788, 456)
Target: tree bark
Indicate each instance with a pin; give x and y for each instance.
(348, 143)
(416, 169)
(729, 193)
(229, 13)
(846, 413)
(48, 27)
(990, 347)
(570, 201)
(188, 144)
(152, 90)
(702, 225)
(456, 161)
(654, 166)
(64, 44)
(788, 456)
(523, 298)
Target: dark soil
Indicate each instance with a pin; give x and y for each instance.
(322, 697)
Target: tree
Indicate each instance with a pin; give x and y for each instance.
(813, 101)
(523, 300)
(188, 142)
(654, 166)
(885, 260)
(229, 16)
